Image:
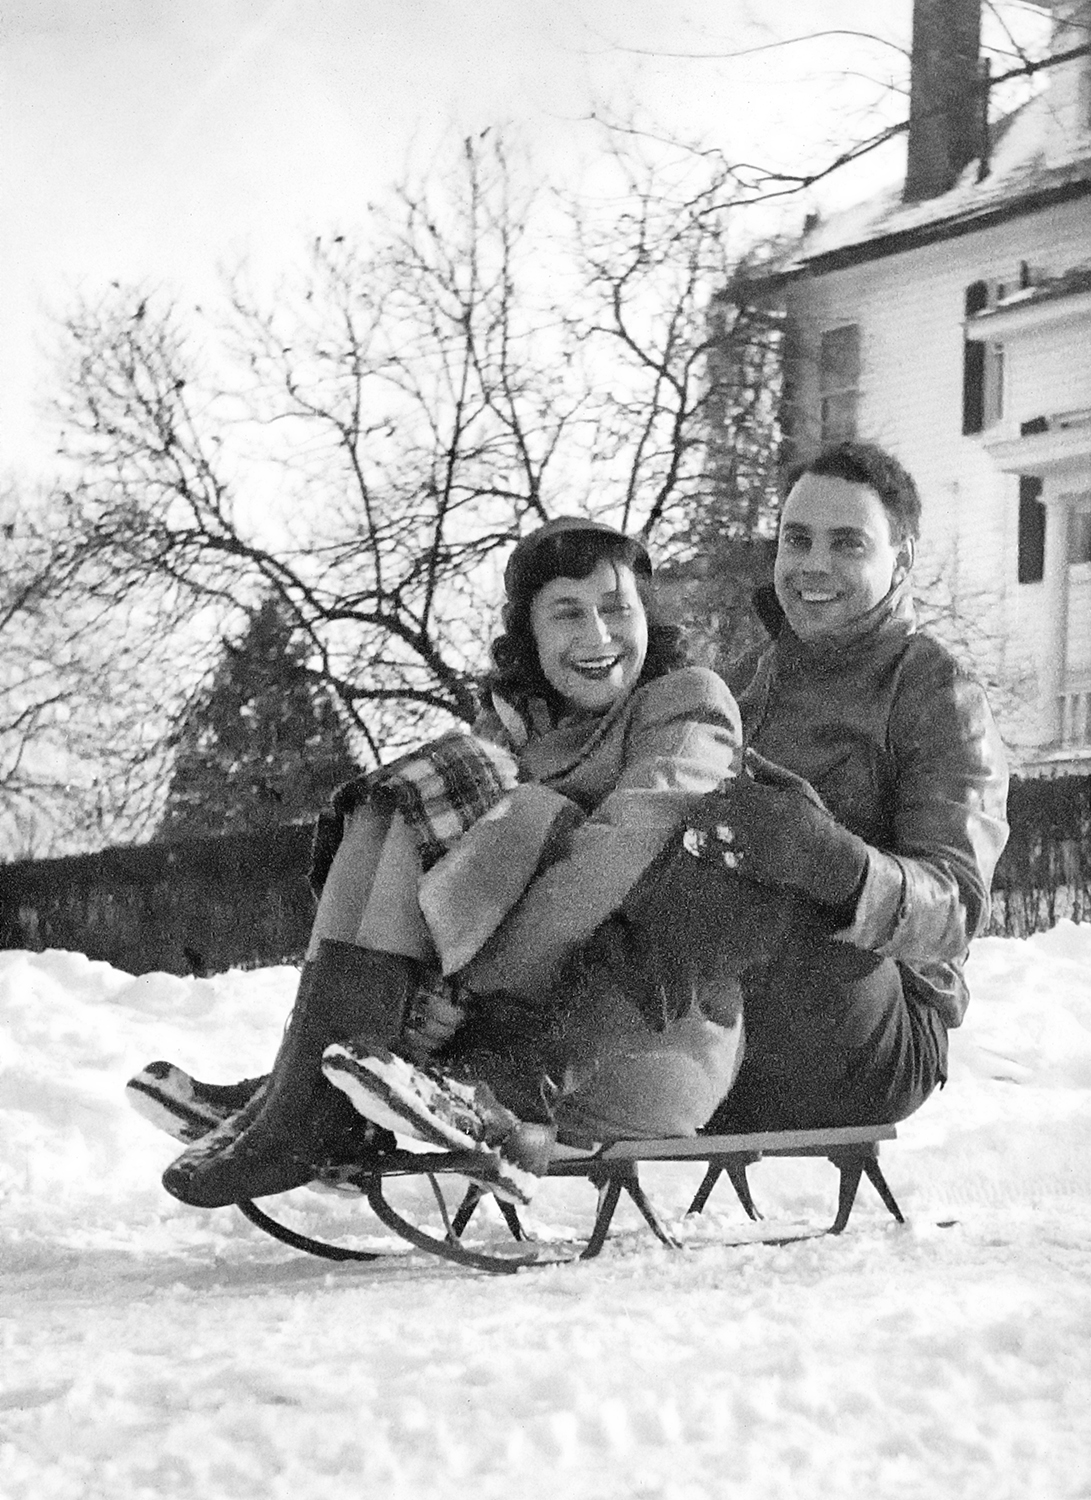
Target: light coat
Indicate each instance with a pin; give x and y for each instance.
(541, 872)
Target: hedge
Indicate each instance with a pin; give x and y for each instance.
(201, 906)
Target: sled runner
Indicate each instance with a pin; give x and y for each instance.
(613, 1170)
(186, 1108)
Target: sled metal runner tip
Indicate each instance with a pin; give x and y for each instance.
(613, 1171)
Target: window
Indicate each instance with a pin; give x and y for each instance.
(993, 396)
(839, 382)
(1079, 534)
(1075, 719)
(1032, 530)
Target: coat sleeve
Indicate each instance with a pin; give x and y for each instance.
(927, 895)
(683, 739)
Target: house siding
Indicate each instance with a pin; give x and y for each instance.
(910, 309)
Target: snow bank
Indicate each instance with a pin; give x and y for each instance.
(153, 1350)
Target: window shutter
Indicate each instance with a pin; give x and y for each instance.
(973, 365)
(1032, 530)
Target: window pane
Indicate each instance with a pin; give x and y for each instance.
(839, 361)
(1079, 536)
(994, 383)
(839, 417)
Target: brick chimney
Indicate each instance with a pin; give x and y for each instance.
(947, 103)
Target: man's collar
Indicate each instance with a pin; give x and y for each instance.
(895, 611)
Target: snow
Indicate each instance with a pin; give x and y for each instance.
(1020, 166)
(154, 1350)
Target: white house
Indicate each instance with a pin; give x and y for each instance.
(950, 321)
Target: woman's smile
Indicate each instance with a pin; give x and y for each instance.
(599, 666)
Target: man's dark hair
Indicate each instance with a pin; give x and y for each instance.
(517, 674)
(866, 463)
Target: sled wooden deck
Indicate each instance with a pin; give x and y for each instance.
(613, 1170)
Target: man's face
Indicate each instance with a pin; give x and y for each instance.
(836, 558)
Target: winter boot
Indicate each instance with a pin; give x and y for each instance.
(509, 1155)
(299, 1125)
(184, 1106)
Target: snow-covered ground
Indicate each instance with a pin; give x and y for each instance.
(152, 1350)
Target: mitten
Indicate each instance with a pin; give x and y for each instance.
(782, 835)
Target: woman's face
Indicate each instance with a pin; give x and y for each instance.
(592, 636)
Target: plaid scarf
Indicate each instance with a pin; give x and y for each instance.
(440, 790)
(443, 789)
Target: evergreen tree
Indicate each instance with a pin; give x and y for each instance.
(262, 744)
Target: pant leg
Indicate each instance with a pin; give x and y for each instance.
(597, 1067)
(370, 894)
(392, 920)
(349, 880)
(642, 1037)
(832, 1039)
(631, 1082)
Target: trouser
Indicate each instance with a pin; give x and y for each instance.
(835, 1036)
(369, 896)
(602, 1070)
(643, 1083)
(587, 1058)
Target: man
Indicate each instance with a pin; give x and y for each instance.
(877, 793)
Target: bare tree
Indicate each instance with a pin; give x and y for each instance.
(393, 414)
(688, 347)
(1020, 42)
(361, 441)
(31, 694)
(81, 726)
(647, 275)
(390, 420)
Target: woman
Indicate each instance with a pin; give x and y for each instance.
(500, 861)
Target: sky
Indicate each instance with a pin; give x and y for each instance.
(152, 1350)
(156, 140)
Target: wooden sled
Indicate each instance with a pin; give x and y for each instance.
(612, 1170)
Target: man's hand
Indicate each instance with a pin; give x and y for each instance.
(780, 834)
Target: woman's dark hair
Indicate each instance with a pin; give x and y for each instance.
(517, 673)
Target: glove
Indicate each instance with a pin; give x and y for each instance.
(329, 830)
(701, 921)
(778, 831)
(435, 1013)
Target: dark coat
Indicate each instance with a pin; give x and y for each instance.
(901, 745)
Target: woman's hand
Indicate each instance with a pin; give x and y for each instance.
(434, 1017)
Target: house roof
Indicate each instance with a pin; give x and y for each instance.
(1020, 180)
